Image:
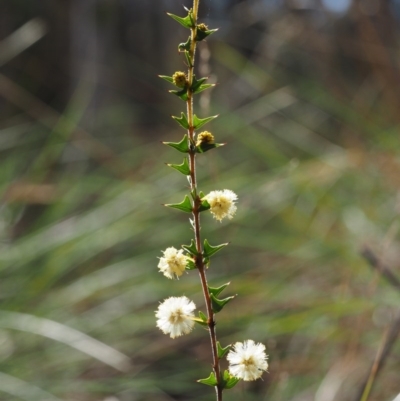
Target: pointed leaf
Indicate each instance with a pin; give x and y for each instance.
(223, 351)
(229, 381)
(205, 147)
(201, 88)
(191, 18)
(185, 205)
(185, 46)
(204, 206)
(197, 82)
(190, 265)
(218, 304)
(194, 194)
(187, 21)
(203, 316)
(182, 146)
(182, 94)
(191, 248)
(210, 381)
(199, 122)
(202, 319)
(203, 34)
(188, 60)
(169, 79)
(217, 290)
(182, 121)
(182, 168)
(209, 250)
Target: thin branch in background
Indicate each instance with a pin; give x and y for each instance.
(391, 334)
(384, 351)
(375, 264)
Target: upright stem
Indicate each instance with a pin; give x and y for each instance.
(196, 205)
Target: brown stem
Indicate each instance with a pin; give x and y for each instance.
(196, 212)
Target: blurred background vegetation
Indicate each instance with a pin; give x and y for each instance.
(308, 97)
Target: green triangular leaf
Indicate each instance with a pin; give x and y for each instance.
(197, 82)
(182, 168)
(223, 351)
(187, 21)
(209, 250)
(182, 146)
(182, 121)
(203, 34)
(202, 319)
(190, 265)
(169, 79)
(191, 248)
(185, 205)
(203, 316)
(205, 147)
(182, 94)
(210, 381)
(204, 206)
(188, 60)
(229, 381)
(199, 122)
(201, 88)
(217, 290)
(182, 47)
(218, 304)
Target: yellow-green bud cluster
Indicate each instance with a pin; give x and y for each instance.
(202, 27)
(179, 79)
(205, 137)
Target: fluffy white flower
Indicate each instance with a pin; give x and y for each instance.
(222, 203)
(175, 316)
(247, 360)
(173, 263)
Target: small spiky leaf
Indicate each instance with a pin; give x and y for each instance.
(209, 381)
(185, 205)
(187, 21)
(199, 122)
(181, 146)
(182, 168)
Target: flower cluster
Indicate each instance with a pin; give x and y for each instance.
(175, 316)
(247, 360)
(179, 79)
(202, 27)
(222, 203)
(173, 263)
(205, 137)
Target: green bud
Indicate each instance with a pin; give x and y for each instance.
(179, 79)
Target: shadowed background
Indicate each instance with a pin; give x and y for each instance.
(308, 97)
